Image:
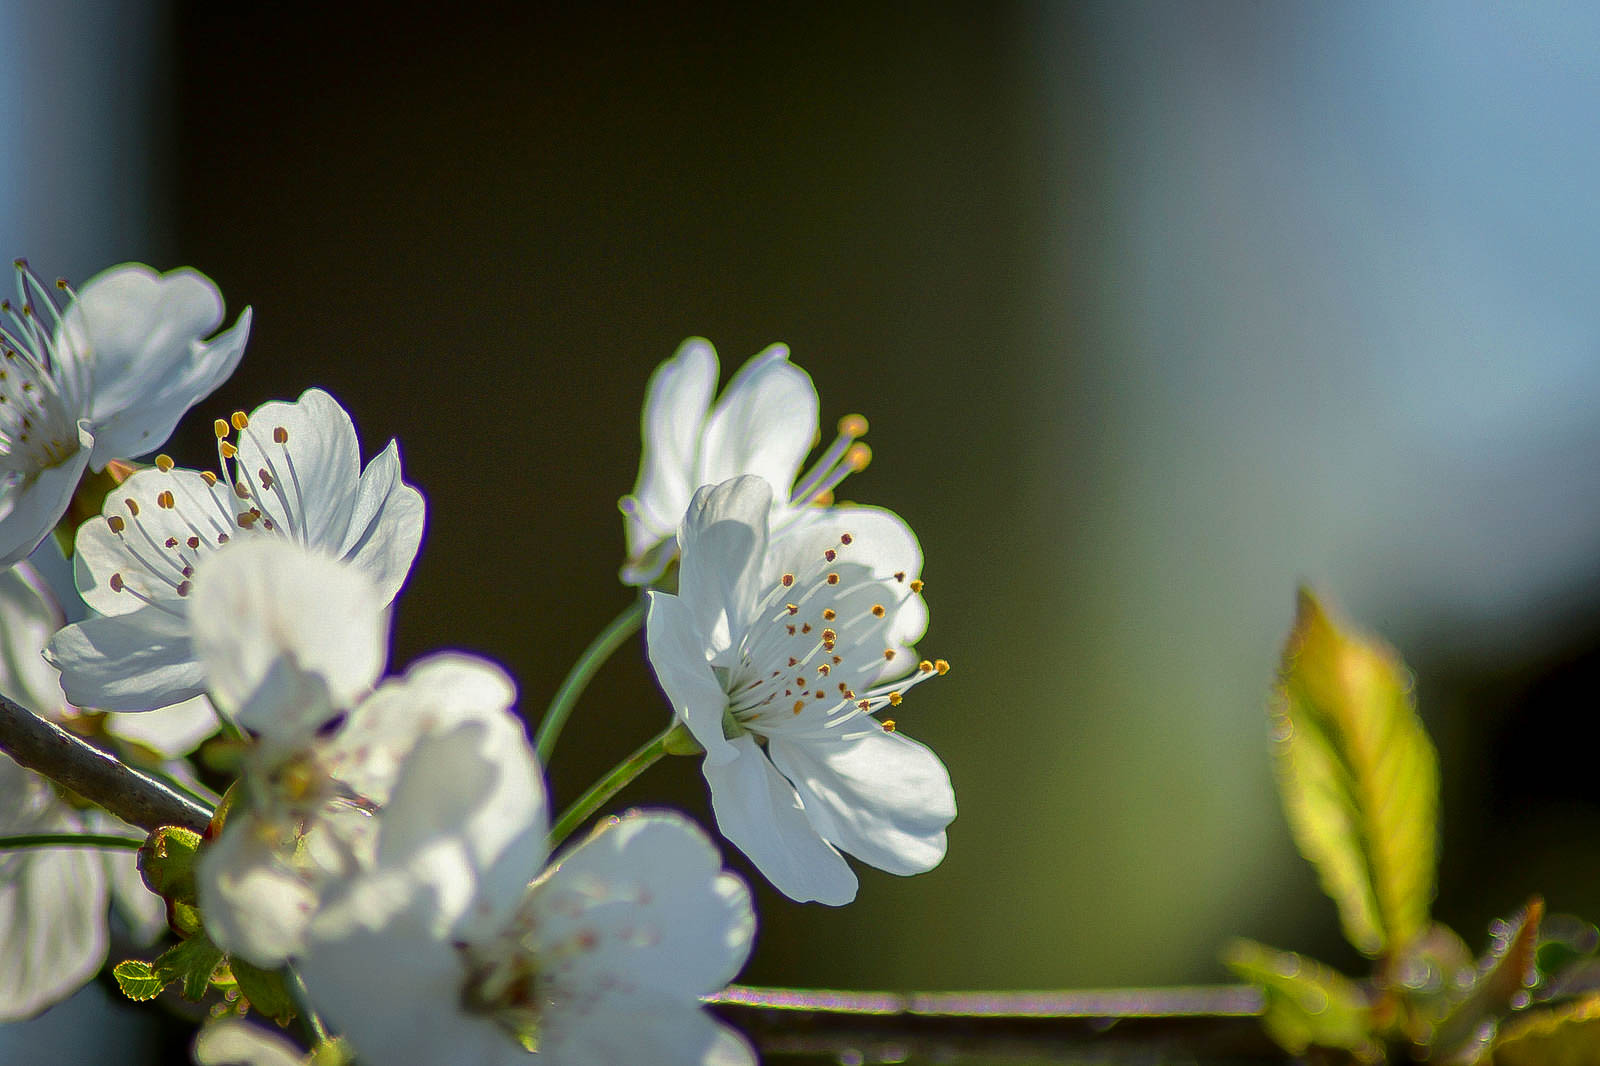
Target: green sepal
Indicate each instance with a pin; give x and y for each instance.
(167, 860)
(138, 980)
(1308, 1004)
(679, 741)
(265, 989)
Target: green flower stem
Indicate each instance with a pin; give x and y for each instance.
(609, 785)
(594, 656)
(70, 840)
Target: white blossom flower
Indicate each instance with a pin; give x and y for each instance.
(293, 473)
(53, 901)
(303, 643)
(764, 424)
(106, 377)
(234, 1042)
(601, 962)
(775, 653)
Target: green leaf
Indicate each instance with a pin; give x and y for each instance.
(1504, 974)
(137, 980)
(265, 989)
(190, 962)
(1359, 779)
(1307, 1003)
(167, 862)
(1568, 1035)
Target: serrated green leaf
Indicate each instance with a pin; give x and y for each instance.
(191, 963)
(1359, 779)
(1307, 1003)
(137, 980)
(1568, 1035)
(265, 989)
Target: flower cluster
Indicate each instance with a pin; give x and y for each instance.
(381, 858)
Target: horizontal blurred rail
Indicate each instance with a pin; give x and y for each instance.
(1213, 1023)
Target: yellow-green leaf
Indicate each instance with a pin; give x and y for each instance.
(1308, 1004)
(1566, 1036)
(137, 980)
(1359, 778)
(265, 989)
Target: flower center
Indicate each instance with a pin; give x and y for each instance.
(502, 983)
(165, 535)
(38, 423)
(819, 644)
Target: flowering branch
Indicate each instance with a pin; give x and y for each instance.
(93, 774)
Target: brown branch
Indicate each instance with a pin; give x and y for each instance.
(1208, 1022)
(95, 775)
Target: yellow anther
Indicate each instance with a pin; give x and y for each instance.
(799, 705)
(853, 426)
(829, 614)
(888, 653)
(220, 428)
(845, 538)
(133, 507)
(116, 523)
(858, 457)
(280, 435)
(916, 586)
(895, 699)
(824, 669)
(227, 449)
(170, 542)
(888, 725)
(830, 555)
(823, 498)
(208, 477)
(925, 667)
(941, 666)
(899, 575)
(165, 500)
(241, 420)
(833, 579)
(184, 587)
(116, 583)
(242, 490)
(829, 636)
(788, 579)
(878, 610)
(792, 608)
(193, 542)
(164, 463)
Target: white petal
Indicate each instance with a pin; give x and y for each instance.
(264, 603)
(879, 796)
(642, 907)
(31, 506)
(52, 916)
(254, 904)
(472, 787)
(758, 811)
(386, 526)
(29, 617)
(143, 428)
(231, 1042)
(676, 401)
(136, 334)
(724, 539)
(382, 973)
(134, 662)
(171, 732)
(678, 656)
(764, 424)
(144, 912)
(317, 469)
(606, 1032)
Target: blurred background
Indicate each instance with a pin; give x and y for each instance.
(1157, 310)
